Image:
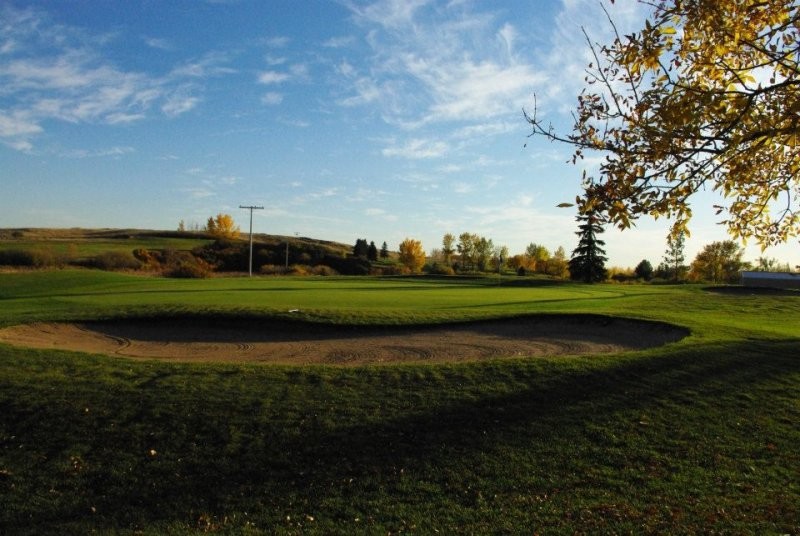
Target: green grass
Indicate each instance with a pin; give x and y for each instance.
(697, 437)
(82, 249)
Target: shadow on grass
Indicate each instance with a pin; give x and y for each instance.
(543, 430)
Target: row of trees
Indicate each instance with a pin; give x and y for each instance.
(718, 262)
(370, 251)
(219, 226)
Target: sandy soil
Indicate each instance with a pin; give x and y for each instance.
(300, 344)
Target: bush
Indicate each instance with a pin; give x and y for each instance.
(386, 269)
(188, 267)
(38, 258)
(188, 271)
(17, 257)
(115, 260)
(273, 269)
(440, 269)
(347, 265)
(225, 255)
(521, 271)
(321, 269)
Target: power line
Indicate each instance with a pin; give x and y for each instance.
(251, 208)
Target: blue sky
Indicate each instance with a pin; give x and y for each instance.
(346, 119)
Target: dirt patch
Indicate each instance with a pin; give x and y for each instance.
(186, 339)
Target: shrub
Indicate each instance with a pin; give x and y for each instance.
(17, 257)
(38, 258)
(386, 269)
(298, 269)
(273, 269)
(440, 269)
(189, 270)
(348, 265)
(115, 260)
(321, 269)
(225, 255)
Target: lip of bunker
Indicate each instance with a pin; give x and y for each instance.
(284, 342)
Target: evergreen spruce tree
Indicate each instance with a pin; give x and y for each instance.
(588, 259)
(372, 252)
(361, 249)
(384, 251)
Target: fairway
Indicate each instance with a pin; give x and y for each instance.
(695, 434)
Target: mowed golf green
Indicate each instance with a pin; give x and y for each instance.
(700, 435)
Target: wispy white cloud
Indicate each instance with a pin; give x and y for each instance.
(98, 153)
(157, 43)
(569, 54)
(17, 125)
(272, 77)
(484, 130)
(210, 64)
(381, 214)
(450, 168)
(394, 14)
(299, 123)
(463, 187)
(199, 192)
(116, 118)
(427, 69)
(272, 98)
(339, 42)
(57, 72)
(297, 72)
(275, 60)
(277, 41)
(417, 149)
(179, 103)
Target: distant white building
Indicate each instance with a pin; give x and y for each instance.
(771, 279)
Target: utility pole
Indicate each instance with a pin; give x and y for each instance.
(251, 208)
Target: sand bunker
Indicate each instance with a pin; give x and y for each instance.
(265, 341)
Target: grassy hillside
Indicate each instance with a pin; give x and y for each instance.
(698, 436)
(156, 251)
(88, 242)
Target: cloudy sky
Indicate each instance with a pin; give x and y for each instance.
(346, 119)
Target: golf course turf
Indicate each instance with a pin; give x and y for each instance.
(698, 435)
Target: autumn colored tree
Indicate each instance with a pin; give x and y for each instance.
(718, 262)
(448, 248)
(484, 248)
(500, 258)
(674, 255)
(538, 255)
(705, 96)
(222, 226)
(588, 259)
(412, 256)
(466, 250)
(518, 261)
(558, 264)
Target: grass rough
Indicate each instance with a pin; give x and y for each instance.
(699, 436)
